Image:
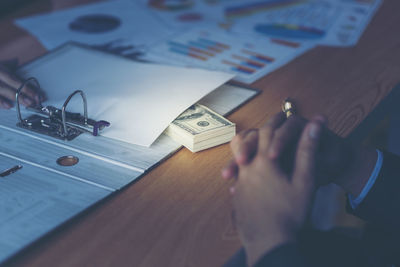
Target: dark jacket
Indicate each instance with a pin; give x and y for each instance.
(379, 246)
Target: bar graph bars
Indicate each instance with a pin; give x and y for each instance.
(247, 9)
(258, 56)
(201, 48)
(243, 61)
(238, 67)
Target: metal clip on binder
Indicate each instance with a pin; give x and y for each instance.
(56, 122)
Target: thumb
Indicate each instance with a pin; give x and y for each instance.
(305, 161)
(244, 146)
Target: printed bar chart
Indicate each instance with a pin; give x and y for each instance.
(200, 48)
(187, 52)
(238, 67)
(257, 7)
(250, 62)
(247, 58)
(257, 56)
(191, 48)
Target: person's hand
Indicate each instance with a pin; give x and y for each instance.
(9, 84)
(334, 155)
(271, 203)
(339, 161)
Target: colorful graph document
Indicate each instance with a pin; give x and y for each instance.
(185, 14)
(117, 25)
(248, 8)
(325, 22)
(246, 57)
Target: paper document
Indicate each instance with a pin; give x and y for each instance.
(248, 57)
(121, 24)
(138, 99)
(34, 201)
(183, 15)
(325, 22)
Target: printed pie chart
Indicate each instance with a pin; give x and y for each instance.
(96, 23)
(289, 31)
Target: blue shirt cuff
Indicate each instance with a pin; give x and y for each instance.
(355, 201)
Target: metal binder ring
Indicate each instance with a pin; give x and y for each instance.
(63, 115)
(31, 79)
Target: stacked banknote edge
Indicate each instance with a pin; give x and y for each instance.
(199, 128)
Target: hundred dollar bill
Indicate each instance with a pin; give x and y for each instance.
(199, 128)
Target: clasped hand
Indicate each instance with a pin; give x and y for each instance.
(272, 197)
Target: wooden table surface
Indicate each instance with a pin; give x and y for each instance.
(179, 214)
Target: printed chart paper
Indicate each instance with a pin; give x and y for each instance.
(120, 23)
(246, 57)
(325, 22)
(183, 15)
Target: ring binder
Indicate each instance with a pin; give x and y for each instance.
(58, 123)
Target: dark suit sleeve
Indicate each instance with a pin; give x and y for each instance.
(286, 255)
(379, 247)
(381, 206)
(381, 209)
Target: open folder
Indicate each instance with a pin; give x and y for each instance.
(139, 99)
(35, 188)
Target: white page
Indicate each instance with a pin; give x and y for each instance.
(247, 56)
(351, 23)
(117, 23)
(186, 14)
(35, 201)
(325, 22)
(139, 99)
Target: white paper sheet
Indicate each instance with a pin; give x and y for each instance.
(121, 23)
(353, 20)
(139, 99)
(35, 201)
(247, 56)
(186, 14)
(325, 22)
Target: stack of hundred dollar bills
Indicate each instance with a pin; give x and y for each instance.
(199, 128)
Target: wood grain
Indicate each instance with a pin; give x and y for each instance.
(179, 214)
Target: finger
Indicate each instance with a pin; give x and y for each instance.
(230, 170)
(244, 146)
(320, 118)
(33, 94)
(14, 82)
(5, 103)
(248, 148)
(286, 136)
(8, 92)
(238, 139)
(304, 171)
(267, 131)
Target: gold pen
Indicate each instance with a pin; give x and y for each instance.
(288, 107)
